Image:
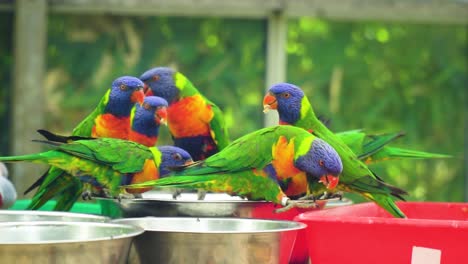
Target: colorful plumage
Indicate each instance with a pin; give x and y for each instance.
(295, 109)
(111, 118)
(111, 162)
(195, 123)
(256, 165)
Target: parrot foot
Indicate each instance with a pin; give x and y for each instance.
(297, 204)
(87, 195)
(201, 194)
(125, 196)
(176, 193)
(309, 197)
(327, 196)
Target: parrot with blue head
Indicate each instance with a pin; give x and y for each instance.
(196, 124)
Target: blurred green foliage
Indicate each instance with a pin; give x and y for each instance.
(390, 77)
(225, 59)
(378, 76)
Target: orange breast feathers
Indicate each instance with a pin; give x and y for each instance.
(142, 139)
(149, 172)
(283, 163)
(189, 117)
(110, 126)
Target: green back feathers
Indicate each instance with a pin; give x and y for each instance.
(218, 127)
(122, 155)
(185, 86)
(84, 128)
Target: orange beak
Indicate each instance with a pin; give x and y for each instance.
(269, 103)
(330, 181)
(138, 96)
(188, 162)
(161, 115)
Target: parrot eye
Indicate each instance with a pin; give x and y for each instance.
(177, 156)
(123, 87)
(156, 78)
(146, 106)
(321, 163)
(285, 95)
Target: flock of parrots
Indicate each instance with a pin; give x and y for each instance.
(113, 152)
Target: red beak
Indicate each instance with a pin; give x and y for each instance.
(331, 181)
(161, 115)
(138, 96)
(147, 90)
(269, 102)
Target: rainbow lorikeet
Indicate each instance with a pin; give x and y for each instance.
(144, 126)
(110, 118)
(195, 123)
(110, 162)
(256, 165)
(295, 109)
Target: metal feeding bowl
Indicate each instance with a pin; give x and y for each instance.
(156, 203)
(65, 242)
(212, 240)
(20, 216)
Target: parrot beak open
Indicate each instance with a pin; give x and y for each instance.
(269, 103)
(138, 96)
(161, 115)
(330, 181)
(147, 90)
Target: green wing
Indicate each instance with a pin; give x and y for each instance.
(85, 127)
(218, 127)
(122, 155)
(253, 150)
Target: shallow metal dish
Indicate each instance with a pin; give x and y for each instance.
(214, 205)
(28, 215)
(212, 240)
(65, 242)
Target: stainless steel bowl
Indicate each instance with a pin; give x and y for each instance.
(20, 215)
(187, 205)
(212, 240)
(65, 242)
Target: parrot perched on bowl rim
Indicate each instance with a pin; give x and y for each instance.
(110, 118)
(111, 162)
(295, 109)
(256, 164)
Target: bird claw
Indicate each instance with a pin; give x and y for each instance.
(201, 194)
(328, 196)
(125, 196)
(297, 204)
(87, 195)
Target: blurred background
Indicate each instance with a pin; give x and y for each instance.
(384, 66)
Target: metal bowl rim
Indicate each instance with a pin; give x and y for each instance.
(54, 213)
(134, 231)
(298, 225)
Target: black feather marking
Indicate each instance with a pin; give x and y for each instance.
(59, 138)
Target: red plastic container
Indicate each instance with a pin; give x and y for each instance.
(299, 254)
(433, 233)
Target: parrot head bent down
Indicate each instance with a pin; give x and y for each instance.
(295, 109)
(109, 162)
(256, 165)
